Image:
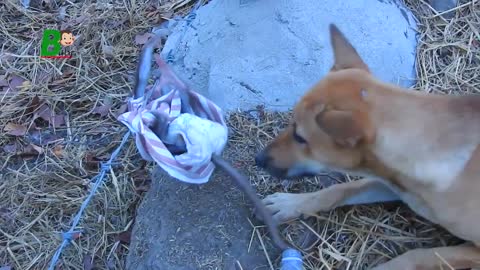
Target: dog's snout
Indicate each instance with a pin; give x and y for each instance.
(262, 159)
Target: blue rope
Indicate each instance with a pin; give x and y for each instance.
(68, 236)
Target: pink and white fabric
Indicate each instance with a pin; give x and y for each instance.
(203, 137)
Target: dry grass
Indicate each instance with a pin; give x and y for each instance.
(448, 53)
(39, 194)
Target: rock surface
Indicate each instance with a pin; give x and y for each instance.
(242, 53)
(189, 227)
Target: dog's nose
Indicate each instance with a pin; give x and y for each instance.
(261, 160)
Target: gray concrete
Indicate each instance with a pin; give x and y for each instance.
(244, 53)
(188, 227)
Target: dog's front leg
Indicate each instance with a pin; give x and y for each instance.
(454, 257)
(286, 206)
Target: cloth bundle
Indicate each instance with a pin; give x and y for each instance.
(203, 136)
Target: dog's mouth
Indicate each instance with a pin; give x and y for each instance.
(307, 174)
(305, 168)
(289, 174)
(300, 175)
(277, 172)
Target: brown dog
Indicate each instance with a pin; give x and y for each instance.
(419, 148)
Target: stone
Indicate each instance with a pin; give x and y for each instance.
(183, 226)
(241, 53)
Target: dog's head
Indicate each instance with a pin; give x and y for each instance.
(330, 126)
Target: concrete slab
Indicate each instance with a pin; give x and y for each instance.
(189, 227)
(242, 53)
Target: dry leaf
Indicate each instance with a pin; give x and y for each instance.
(141, 180)
(102, 110)
(31, 150)
(124, 237)
(15, 129)
(43, 137)
(37, 148)
(87, 262)
(43, 112)
(91, 162)
(26, 85)
(48, 4)
(40, 4)
(121, 110)
(58, 151)
(16, 82)
(68, 73)
(57, 120)
(33, 104)
(10, 148)
(141, 39)
(140, 177)
(142, 188)
(76, 235)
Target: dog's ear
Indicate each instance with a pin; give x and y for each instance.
(344, 53)
(342, 126)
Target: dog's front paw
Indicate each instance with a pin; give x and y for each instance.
(284, 206)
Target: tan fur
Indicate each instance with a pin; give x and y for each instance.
(424, 147)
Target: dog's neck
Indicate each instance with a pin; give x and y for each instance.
(425, 139)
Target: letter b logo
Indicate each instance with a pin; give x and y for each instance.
(50, 43)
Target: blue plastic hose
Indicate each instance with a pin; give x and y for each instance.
(292, 260)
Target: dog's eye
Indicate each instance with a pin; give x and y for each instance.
(298, 138)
